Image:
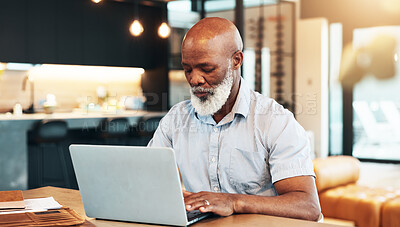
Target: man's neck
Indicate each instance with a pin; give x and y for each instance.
(227, 107)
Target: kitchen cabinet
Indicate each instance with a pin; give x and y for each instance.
(94, 34)
(41, 31)
(80, 32)
(116, 27)
(69, 30)
(13, 32)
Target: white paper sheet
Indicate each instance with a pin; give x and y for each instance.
(36, 205)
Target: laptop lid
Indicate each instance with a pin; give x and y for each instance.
(138, 184)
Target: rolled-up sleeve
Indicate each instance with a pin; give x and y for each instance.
(289, 148)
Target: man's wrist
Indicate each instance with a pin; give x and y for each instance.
(237, 203)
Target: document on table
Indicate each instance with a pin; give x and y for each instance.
(35, 205)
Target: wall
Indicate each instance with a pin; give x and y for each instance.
(11, 90)
(178, 86)
(353, 14)
(312, 80)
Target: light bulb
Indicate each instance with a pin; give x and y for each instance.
(96, 1)
(164, 30)
(136, 28)
(396, 57)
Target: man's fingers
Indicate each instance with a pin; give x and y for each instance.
(196, 205)
(186, 193)
(218, 203)
(205, 209)
(193, 197)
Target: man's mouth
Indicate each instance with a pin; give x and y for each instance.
(201, 94)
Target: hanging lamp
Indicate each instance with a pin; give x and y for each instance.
(136, 28)
(164, 30)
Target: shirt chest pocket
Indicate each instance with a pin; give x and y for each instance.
(248, 170)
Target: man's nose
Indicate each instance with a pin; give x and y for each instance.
(196, 79)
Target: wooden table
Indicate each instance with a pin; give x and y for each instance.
(72, 198)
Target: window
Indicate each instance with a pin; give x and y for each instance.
(376, 105)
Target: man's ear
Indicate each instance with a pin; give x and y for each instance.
(237, 59)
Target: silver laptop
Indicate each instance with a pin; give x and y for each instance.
(137, 184)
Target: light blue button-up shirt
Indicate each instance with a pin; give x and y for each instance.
(257, 144)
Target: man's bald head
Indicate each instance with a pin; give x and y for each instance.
(214, 31)
(211, 58)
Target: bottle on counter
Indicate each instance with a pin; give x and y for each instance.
(50, 104)
(17, 110)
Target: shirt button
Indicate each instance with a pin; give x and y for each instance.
(213, 159)
(216, 188)
(215, 129)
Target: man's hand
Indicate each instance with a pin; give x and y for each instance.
(297, 198)
(219, 203)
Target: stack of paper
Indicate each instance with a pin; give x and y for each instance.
(11, 200)
(35, 205)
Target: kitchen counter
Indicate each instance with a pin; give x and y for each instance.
(78, 114)
(74, 119)
(14, 139)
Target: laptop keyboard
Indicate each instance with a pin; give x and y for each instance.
(192, 215)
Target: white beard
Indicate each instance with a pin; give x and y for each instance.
(217, 96)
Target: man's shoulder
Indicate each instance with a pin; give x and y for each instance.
(265, 105)
(180, 111)
(183, 107)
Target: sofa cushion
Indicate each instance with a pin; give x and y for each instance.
(356, 203)
(391, 212)
(335, 171)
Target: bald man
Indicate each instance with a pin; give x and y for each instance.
(237, 151)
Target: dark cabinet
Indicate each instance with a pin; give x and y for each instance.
(69, 32)
(41, 36)
(117, 35)
(80, 32)
(13, 32)
(94, 34)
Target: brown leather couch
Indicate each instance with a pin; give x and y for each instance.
(342, 198)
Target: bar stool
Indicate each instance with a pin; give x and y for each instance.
(114, 131)
(144, 130)
(49, 133)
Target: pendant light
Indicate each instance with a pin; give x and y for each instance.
(164, 30)
(96, 1)
(136, 28)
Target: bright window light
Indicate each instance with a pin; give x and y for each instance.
(86, 73)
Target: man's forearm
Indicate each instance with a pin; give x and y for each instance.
(297, 198)
(295, 204)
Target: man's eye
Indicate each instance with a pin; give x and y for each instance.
(188, 70)
(208, 70)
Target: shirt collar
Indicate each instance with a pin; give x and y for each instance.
(242, 104)
(205, 119)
